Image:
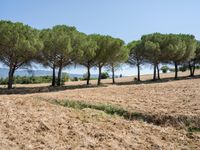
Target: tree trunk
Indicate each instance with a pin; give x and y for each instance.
(138, 68)
(10, 77)
(88, 75)
(154, 72)
(99, 78)
(190, 67)
(113, 74)
(194, 67)
(158, 71)
(59, 76)
(54, 76)
(176, 70)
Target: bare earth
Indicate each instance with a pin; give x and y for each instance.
(30, 121)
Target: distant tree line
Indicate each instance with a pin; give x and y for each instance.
(27, 80)
(156, 49)
(62, 46)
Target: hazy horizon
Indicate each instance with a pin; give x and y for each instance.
(125, 70)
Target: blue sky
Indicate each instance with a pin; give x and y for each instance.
(126, 19)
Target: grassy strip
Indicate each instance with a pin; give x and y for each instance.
(190, 124)
(109, 109)
(193, 129)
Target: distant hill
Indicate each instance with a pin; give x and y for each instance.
(26, 72)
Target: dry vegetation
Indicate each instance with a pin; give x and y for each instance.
(32, 121)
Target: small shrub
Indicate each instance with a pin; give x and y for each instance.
(65, 77)
(104, 75)
(75, 79)
(109, 109)
(171, 69)
(164, 69)
(32, 79)
(183, 68)
(193, 129)
(85, 76)
(197, 67)
(3, 81)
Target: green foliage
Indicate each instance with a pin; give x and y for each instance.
(169, 47)
(85, 76)
(115, 110)
(197, 67)
(75, 79)
(28, 80)
(164, 69)
(191, 45)
(88, 46)
(31, 79)
(103, 47)
(59, 43)
(3, 81)
(153, 47)
(109, 109)
(193, 129)
(175, 47)
(62, 46)
(19, 44)
(154, 52)
(171, 69)
(118, 52)
(183, 68)
(104, 75)
(110, 51)
(136, 55)
(65, 78)
(197, 52)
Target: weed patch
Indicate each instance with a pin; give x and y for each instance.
(109, 109)
(193, 129)
(187, 122)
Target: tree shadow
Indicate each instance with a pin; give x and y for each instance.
(162, 80)
(43, 89)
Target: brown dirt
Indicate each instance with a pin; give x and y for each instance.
(29, 122)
